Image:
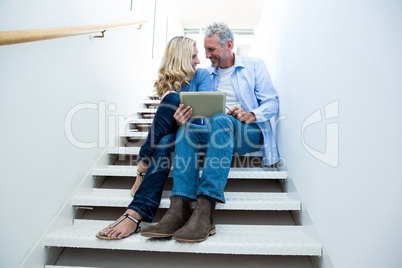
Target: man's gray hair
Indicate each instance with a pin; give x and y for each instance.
(222, 30)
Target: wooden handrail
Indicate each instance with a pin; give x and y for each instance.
(16, 37)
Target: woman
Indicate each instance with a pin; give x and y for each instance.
(177, 73)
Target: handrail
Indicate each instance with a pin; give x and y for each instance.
(16, 37)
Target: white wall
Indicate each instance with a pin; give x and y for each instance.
(319, 52)
(39, 83)
(167, 26)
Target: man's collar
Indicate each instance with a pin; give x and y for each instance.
(238, 62)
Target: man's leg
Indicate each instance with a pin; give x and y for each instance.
(191, 140)
(227, 136)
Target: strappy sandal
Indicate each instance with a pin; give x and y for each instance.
(137, 229)
(141, 174)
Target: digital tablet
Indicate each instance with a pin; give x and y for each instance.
(204, 104)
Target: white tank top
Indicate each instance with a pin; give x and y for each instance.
(225, 85)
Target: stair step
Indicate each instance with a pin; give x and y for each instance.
(284, 240)
(234, 200)
(153, 96)
(147, 111)
(229, 239)
(134, 135)
(124, 150)
(141, 121)
(234, 173)
(152, 102)
(136, 150)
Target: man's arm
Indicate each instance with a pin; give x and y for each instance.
(265, 93)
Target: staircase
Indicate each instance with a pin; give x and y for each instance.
(254, 227)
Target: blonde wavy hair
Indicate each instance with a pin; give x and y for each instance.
(175, 68)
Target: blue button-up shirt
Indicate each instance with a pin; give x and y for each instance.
(254, 89)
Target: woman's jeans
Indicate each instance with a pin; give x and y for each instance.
(223, 137)
(157, 151)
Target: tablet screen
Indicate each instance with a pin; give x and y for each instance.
(204, 104)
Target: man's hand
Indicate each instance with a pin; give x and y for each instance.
(182, 114)
(241, 115)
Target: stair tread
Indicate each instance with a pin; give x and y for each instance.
(234, 200)
(136, 150)
(141, 121)
(234, 173)
(229, 239)
(153, 96)
(152, 102)
(134, 134)
(124, 150)
(147, 110)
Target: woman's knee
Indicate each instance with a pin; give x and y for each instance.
(172, 99)
(168, 105)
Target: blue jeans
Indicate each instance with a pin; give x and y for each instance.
(223, 137)
(157, 151)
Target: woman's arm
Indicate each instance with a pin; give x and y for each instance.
(204, 82)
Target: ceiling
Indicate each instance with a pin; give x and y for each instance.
(235, 13)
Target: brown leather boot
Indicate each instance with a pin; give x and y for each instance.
(177, 215)
(200, 225)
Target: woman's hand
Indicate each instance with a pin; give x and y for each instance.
(182, 114)
(166, 93)
(241, 115)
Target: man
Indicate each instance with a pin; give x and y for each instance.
(245, 128)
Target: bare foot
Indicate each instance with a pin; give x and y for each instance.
(123, 229)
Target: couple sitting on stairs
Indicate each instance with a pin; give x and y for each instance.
(244, 128)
